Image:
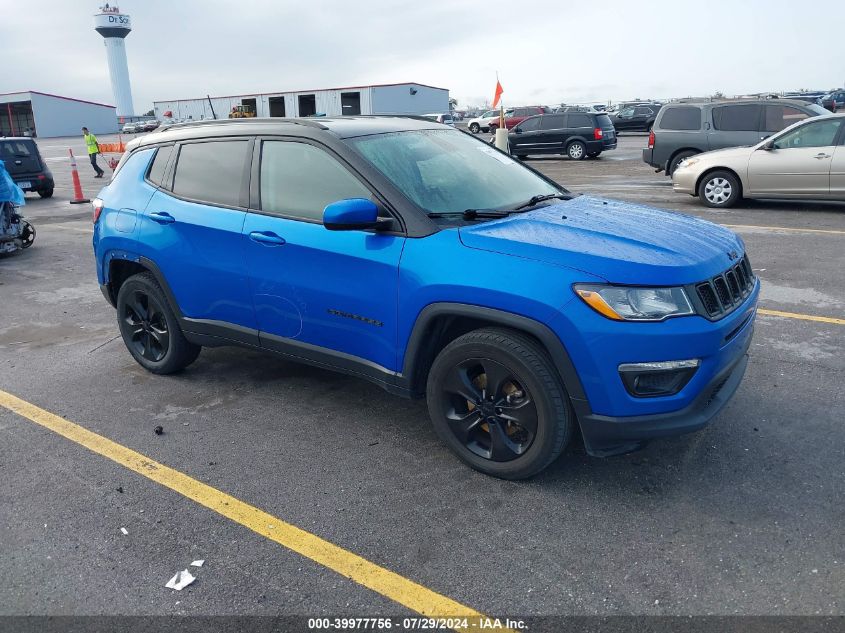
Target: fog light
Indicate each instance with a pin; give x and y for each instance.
(664, 378)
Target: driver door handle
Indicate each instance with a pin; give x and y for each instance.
(822, 155)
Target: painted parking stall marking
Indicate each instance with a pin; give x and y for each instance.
(800, 316)
(389, 584)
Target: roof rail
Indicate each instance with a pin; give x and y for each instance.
(240, 121)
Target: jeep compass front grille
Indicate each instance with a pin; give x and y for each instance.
(721, 295)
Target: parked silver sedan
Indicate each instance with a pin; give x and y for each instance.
(806, 160)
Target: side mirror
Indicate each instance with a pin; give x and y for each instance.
(350, 215)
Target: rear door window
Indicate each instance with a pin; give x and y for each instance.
(211, 172)
(643, 111)
(681, 118)
(737, 118)
(553, 122)
(779, 117)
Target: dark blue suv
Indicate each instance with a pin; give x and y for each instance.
(426, 261)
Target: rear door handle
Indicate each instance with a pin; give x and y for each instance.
(266, 237)
(162, 217)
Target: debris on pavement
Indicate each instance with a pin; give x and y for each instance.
(158, 430)
(198, 563)
(125, 531)
(181, 580)
(119, 489)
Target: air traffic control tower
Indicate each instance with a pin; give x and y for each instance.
(114, 26)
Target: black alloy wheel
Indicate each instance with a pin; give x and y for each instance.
(496, 400)
(150, 328)
(148, 333)
(489, 410)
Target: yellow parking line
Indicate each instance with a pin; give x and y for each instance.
(783, 228)
(383, 581)
(803, 317)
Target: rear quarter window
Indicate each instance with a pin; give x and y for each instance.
(680, 118)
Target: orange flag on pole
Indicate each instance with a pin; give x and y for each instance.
(498, 94)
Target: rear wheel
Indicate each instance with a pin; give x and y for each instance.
(474, 128)
(576, 150)
(673, 165)
(719, 189)
(150, 329)
(46, 193)
(495, 399)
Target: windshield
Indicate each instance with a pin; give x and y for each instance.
(447, 171)
(817, 109)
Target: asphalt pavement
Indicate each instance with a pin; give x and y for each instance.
(744, 517)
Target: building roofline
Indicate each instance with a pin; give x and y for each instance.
(280, 92)
(47, 94)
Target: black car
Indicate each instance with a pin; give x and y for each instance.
(635, 118)
(575, 134)
(834, 101)
(26, 167)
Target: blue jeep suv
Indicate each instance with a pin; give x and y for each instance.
(415, 256)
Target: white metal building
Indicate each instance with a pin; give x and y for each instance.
(52, 115)
(405, 98)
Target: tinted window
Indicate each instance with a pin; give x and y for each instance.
(737, 118)
(156, 173)
(604, 122)
(643, 111)
(10, 149)
(211, 172)
(817, 134)
(299, 180)
(779, 117)
(580, 120)
(681, 118)
(553, 121)
(529, 125)
(449, 171)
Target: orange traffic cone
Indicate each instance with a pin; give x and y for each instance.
(78, 198)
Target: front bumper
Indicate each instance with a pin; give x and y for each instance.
(683, 181)
(606, 435)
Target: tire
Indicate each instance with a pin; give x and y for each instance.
(527, 390)
(27, 234)
(475, 128)
(576, 150)
(673, 165)
(150, 329)
(719, 189)
(521, 156)
(46, 193)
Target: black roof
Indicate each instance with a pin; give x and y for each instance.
(341, 127)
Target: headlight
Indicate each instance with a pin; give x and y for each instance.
(687, 162)
(624, 303)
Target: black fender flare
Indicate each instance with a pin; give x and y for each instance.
(550, 341)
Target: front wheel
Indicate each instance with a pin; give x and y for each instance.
(496, 401)
(475, 128)
(150, 329)
(719, 189)
(576, 150)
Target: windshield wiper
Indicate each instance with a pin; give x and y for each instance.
(540, 198)
(471, 214)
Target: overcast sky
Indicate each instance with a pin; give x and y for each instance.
(546, 52)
